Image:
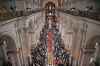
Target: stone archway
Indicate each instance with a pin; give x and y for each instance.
(50, 9)
(8, 49)
(92, 42)
(91, 51)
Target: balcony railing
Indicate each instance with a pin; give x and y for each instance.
(9, 15)
(87, 14)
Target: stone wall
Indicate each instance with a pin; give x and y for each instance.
(75, 32)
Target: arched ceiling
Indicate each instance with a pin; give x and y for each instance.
(10, 43)
(24, 5)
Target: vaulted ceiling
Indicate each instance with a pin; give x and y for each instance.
(65, 4)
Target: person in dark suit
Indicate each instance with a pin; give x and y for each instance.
(60, 64)
(9, 62)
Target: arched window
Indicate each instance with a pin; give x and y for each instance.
(8, 48)
(50, 9)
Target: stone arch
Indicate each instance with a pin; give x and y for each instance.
(52, 1)
(9, 40)
(91, 51)
(94, 45)
(50, 10)
(8, 47)
(58, 3)
(48, 4)
(92, 42)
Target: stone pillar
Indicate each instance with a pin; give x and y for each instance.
(86, 58)
(97, 52)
